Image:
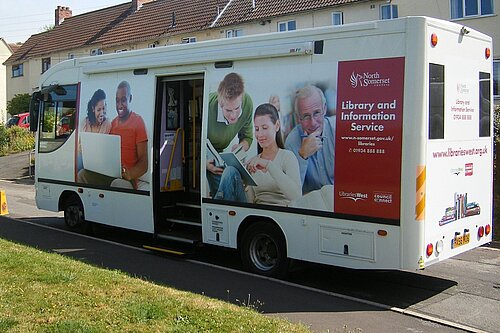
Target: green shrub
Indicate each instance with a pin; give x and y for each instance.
(15, 139)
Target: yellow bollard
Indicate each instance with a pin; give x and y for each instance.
(3, 203)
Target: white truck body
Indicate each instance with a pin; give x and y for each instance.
(412, 151)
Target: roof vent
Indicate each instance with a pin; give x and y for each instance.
(173, 21)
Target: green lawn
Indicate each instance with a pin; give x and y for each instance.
(47, 292)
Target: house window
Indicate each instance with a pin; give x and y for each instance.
(45, 64)
(496, 78)
(287, 26)
(71, 56)
(337, 18)
(17, 70)
(188, 40)
(464, 8)
(234, 33)
(388, 12)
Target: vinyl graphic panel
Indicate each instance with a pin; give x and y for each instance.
(368, 137)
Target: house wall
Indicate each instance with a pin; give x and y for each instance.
(4, 54)
(28, 82)
(360, 12)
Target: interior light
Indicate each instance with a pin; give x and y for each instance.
(434, 39)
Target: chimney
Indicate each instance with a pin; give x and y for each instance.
(137, 4)
(62, 13)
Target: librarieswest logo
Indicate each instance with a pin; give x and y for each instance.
(456, 171)
(368, 79)
(354, 196)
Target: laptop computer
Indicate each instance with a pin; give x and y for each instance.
(101, 153)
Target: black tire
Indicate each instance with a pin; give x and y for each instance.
(74, 217)
(263, 250)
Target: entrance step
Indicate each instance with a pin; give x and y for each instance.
(189, 205)
(184, 233)
(179, 239)
(186, 221)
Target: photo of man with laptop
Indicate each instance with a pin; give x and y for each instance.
(120, 158)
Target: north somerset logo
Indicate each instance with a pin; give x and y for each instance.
(368, 79)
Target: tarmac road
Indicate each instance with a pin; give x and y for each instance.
(15, 167)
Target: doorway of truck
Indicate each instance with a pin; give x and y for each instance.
(177, 157)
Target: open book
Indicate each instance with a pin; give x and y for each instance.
(234, 159)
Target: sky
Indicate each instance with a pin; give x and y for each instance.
(19, 19)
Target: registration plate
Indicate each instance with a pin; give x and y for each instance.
(461, 240)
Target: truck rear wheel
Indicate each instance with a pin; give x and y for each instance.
(263, 250)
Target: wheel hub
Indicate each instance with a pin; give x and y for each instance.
(263, 252)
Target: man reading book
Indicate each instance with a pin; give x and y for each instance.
(229, 115)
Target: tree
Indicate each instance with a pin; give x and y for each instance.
(47, 27)
(20, 103)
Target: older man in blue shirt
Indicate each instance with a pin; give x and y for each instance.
(313, 139)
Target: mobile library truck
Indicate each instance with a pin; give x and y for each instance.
(367, 145)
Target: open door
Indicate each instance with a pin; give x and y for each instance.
(177, 157)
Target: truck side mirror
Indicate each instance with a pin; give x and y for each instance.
(34, 110)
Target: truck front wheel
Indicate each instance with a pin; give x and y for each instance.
(73, 215)
(263, 250)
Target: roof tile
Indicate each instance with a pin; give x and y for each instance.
(155, 19)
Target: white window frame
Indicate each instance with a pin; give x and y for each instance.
(188, 40)
(458, 9)
(18, 70)
(340, 16)
(286, 24)
(45, 64)
(232, 33)
(393, 11)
